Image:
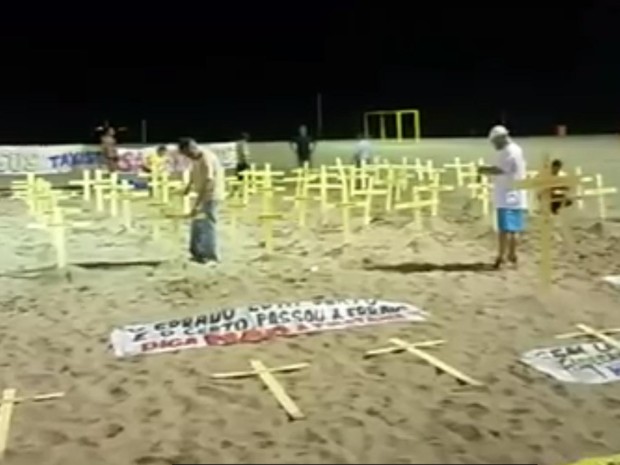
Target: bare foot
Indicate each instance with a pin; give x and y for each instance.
(498, 263)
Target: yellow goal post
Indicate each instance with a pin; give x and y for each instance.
(399, 116)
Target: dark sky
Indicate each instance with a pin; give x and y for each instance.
(214, 71)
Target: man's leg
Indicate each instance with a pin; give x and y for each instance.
(512, 247)
(209, 237)
(502, 248)
(517, 226)
(502, 236)
(194, 240)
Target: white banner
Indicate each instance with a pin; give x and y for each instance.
(258, 323)
(43, 159)
(588, 363)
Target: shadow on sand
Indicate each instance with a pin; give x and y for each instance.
(428, 267)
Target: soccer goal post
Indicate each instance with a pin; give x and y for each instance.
(407, 123)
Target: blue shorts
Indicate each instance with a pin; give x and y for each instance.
(510, 220)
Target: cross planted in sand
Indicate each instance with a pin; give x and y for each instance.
(7, 403)
(545, 182)
(266, 376)
(601, 335)
(398, 345)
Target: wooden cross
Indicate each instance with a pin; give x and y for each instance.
(481, 192)
(266, 376)
(579, 189)
(403, 178)
(416, 205)
(87, 184)
(544, 182)
(601, 335)
(58, 226)
(435, 188)
(268, 215)
(7, 403)
(398, 345)
(324, 186)
(346, 203)
(600, 192)
(237, 208)
(423, 170)
(460, 170)
(26, 190)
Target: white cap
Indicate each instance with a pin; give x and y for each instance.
(498, 131)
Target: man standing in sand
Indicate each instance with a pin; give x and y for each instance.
(362, 152)
(207, 181)
(303, 145)
(510, 203)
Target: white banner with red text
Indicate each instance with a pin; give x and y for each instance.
(258, 323)
(49, 159)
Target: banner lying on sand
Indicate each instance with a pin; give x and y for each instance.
(46, 159)
(588, 363)
(613, 280)
(258, 323)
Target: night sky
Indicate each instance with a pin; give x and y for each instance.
(212, 72)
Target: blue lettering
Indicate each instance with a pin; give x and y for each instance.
(74, 159)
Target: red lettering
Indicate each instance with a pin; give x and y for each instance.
(253, 335)
(169, 344)
(225, 339)
(280, 331)
(148, 346)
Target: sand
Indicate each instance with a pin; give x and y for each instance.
(164, 409)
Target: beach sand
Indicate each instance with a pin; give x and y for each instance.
(165, 409)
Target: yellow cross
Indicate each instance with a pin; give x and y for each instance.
(544, 182)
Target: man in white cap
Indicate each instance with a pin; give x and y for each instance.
(510, 203)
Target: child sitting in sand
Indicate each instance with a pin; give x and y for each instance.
(559, 194)
(156, 161)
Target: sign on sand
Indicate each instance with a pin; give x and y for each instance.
(587, 363)
(257, 323)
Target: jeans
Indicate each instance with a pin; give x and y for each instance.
(203, 234)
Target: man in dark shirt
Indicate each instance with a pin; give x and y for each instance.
(303, 145)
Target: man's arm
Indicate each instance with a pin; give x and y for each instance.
(293, 144)
(188, 188)
(490, 170)
(510, 167)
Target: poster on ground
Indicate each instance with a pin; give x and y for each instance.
(258, 323)
(613, 280)
(586, 363)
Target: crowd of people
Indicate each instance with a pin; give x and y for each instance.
(207, 181)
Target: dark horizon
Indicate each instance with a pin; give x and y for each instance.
(260, 71)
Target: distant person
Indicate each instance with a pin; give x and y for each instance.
(559, 194)
(303, 145)
(511, 203)
(243, 155)
(156, 161)
(363, 151)
(107, 141)
(207, 181)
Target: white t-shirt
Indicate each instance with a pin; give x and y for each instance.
(363, 150)
(511, 161)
